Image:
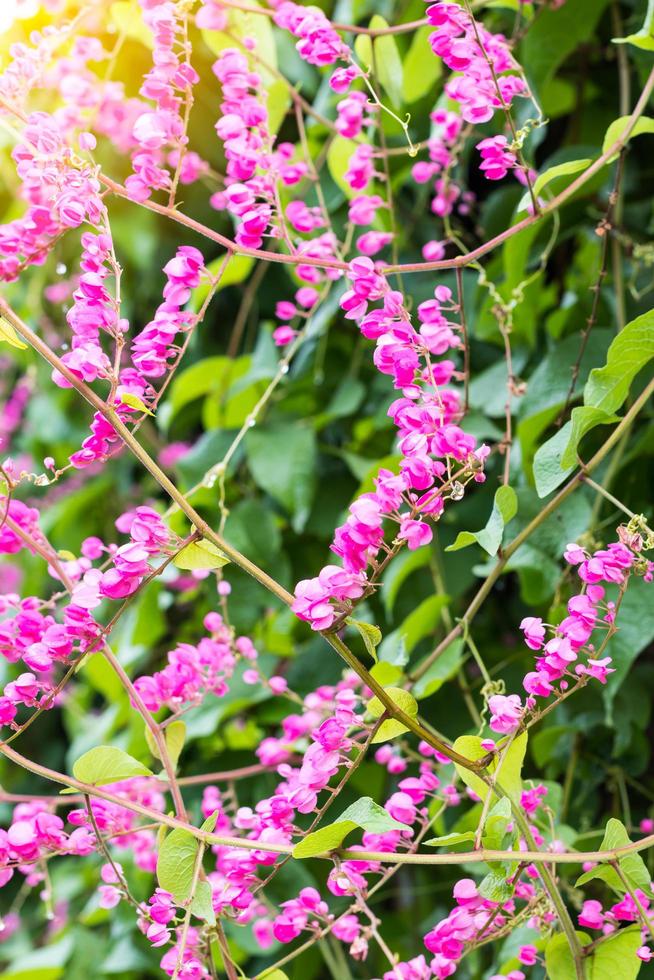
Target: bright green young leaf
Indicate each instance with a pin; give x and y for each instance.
(644, 125)
(365, 813)
(202, 905)
(176, 864)
(644, 38)
(244, 24)
(494, 887)
(371, 635)
(510, 767)
(505, 507)
(614, 957)
(9, 336)
(567, 169)
(200, 554)
(274, 974)
(338, 162)
(632, 865)
(210, 823)
(449, 840)
(559, 963)
(106, 764)
(174, 734)
(391, 727)
(496, 824)
(421, 69)
(236, 271)
(385, 674)
(607, 387)
(135, 402)
(129, 21)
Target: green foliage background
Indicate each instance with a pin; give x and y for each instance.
(321, 437)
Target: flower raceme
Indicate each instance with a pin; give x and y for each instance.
(271, 191)
(433, 446)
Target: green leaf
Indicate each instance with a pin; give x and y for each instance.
(494, 887)
(644, 125)
(41, 964)
(236, 271)
(449, 840)
(200, 554)
(555, 34)
(128, 19)
(440, 671)
(559, 170)
(210, 823)
(387, 61)
(632, 865)
(392, 727)
(338, 162)
(202, 905)
(397, 573)
(548, 469)
(371, 635)
(496, 824)
(505, 507)
(244, 24)
(421, 69)
(365, 813)
(421, 622)
(644, 38)
(9, 336)
(283, 462)
(607, 387)
(174, 734)
(279, 100)
(615, 956)
(273, 974)
(133, 401)
(176, 864)
(559, 964)
(583, 419)
(106, 764)
(508, 776)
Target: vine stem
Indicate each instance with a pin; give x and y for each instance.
(49, 555)
(577, 480)
(109, 413)
(482, 856)
(456, 262)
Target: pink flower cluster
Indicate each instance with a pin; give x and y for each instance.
(61, 193)
(429, 439)
(485, 75)
(593, 916)
(169, 85)
(254, 168)
(195, 670)
(318, 43)
(37, 639)
(558, 663)
(154, 346)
